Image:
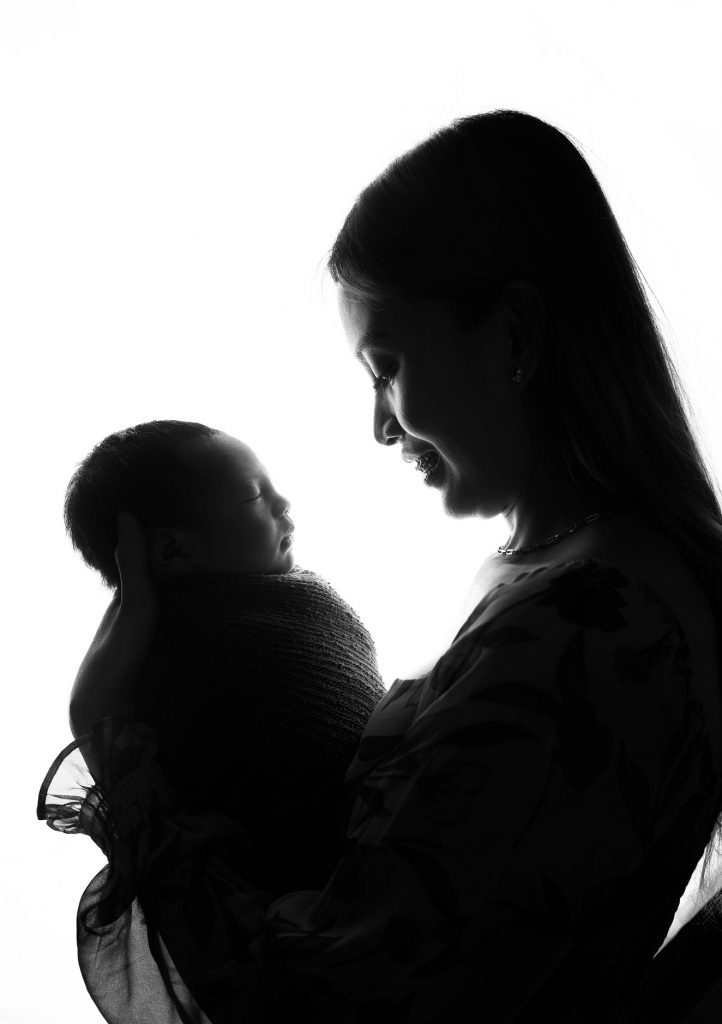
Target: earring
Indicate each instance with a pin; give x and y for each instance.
(517, 374)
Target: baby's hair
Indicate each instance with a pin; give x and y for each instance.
(146, 470)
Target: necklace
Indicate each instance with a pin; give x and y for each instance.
(560, 536)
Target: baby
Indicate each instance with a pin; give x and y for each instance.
(260, 679)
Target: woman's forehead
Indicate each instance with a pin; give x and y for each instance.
(369, 323)
(354, 310)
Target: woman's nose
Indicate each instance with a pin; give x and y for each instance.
(386, 427)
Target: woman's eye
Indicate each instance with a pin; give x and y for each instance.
(384, 379)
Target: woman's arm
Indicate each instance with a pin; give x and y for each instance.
(104, 683)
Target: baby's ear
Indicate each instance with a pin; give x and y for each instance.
(171, 550)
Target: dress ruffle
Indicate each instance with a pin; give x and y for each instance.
(170, 901)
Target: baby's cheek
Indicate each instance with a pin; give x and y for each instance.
(259, 532)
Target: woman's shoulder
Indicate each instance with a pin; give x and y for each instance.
(648, 559)
(629, 575)
(644, 553)
(541, 602)
(625, 551)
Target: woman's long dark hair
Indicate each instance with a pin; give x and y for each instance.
(503, 196)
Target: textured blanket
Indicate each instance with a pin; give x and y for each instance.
(258, 689)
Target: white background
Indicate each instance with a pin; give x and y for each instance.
(172, 175)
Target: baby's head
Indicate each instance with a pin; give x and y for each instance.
(203, 499)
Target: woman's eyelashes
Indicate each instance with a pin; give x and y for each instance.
(384, 379)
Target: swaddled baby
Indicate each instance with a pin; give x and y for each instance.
(260, 679)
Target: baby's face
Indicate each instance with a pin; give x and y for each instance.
(244, 525)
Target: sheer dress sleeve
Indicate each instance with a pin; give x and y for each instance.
(524, 821)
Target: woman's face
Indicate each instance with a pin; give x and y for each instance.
(447, 391)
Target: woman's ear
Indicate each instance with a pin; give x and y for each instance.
(172, 550)
(525, 315)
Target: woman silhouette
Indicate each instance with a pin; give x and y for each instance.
(526, 816)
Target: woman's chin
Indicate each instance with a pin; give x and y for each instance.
(459, 501)
(456, 511)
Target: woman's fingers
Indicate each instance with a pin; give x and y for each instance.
(131, 558)
(105, 680)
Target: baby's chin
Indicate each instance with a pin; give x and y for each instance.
(288, 561)
(279, 562)
(278, 566)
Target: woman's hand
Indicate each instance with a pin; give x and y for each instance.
(105, 679)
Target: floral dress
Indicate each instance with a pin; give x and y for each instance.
(523, 821)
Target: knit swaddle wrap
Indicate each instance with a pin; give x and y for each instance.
(258, 689)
